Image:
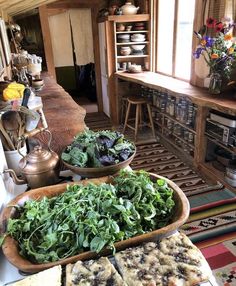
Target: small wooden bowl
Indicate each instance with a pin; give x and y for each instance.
(101, 171)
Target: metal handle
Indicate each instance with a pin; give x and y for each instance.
(31, 134)
(19, 145)
(49, 140)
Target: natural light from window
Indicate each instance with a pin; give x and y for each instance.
(165, 36)
(184, 38)
(179, 43)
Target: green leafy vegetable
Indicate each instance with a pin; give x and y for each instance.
(91, 217)
(96, 149)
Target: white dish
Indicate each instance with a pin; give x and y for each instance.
(138, 35)
(125, 36)
(138, 47)
(137, 40)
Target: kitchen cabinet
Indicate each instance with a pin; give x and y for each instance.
(111, 59)
(134, 36)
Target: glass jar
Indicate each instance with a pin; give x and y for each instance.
(186, 135)
(163, 102)
(190, 138)
(215, 83)
(168, 104)
(177, 108)
(154, 99)
(190, 115)
(158, 99)
(183, 112)
(172, 107)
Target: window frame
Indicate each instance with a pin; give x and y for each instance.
(174, 37)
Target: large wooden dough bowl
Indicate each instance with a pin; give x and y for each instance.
(10, 246)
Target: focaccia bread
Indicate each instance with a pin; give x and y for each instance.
(93, 272)
(51, 276)
(174, 261)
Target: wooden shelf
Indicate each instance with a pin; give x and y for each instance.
(182, 140)
(132, 56)
(207, 168)
(127, 18)
(179, 123)
(199, 96)
(168, 140)
(143, 58)
(132, 43)
(132, 32)
(179, 138)
(157, 122)
(228, 148)
(176, 121)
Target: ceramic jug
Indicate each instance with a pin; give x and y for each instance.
(129, 9)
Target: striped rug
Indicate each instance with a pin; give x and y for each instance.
(158, 159)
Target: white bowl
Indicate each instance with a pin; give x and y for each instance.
(138, 39)
(138, 36)
(125, 36)
(138, 47)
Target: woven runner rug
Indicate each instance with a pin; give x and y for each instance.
(220, 253)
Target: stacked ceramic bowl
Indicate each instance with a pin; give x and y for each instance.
(125, 51)
(123, 38)
(135, 68)
(137, 49)
(138, 38)
(139, 26)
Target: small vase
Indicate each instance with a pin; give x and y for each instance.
(215, 83)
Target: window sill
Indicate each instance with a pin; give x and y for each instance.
(225, 102)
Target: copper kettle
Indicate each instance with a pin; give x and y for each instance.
(38, 168)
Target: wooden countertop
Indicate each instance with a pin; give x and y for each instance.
(225, 102)
(64, 116)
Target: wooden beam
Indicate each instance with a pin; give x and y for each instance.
(200, 138)
(47, 40)
(94, 13)
(16, 7)
(55, 11)
(70, 4)
(111, 67)
(197, 24)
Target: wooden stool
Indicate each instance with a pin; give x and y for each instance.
(138, 102)
(123, 107)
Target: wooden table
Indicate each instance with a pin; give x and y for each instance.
(64, 116)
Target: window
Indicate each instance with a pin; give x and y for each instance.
(174, 37)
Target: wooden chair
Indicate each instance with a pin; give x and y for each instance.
(138, 102)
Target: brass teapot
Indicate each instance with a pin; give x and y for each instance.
(40, 167)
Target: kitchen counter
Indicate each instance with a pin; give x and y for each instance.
(225, 102)
(204, 103)
(64, 116)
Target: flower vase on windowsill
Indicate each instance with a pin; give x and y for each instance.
(215, 84)
(218, 48)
